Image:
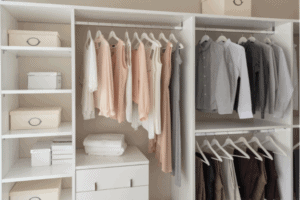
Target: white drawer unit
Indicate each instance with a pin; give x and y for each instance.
(111, 178)
(136, 193)
(103, 177)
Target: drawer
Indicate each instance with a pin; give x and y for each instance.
(112, 178)
(137, 193)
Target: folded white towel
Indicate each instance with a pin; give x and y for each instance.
(105, 140)
(105, 151)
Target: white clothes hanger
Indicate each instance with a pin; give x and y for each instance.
(205, 160)
(136, 37)
(151, 35)
(127, 35)
(251, 38)
(267, 40)
(230, 142)
(112, 35)
(163, 38)
(296, 146)
(144, 36)
(244, 141)
(207, 144)
(216, 142)
(205, 38)
(256, 140)
(98, 34)
(222, 38)
(242, 40)
(172, 37)
(270, 144)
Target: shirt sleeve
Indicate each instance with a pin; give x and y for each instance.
(272, 79)
(244, 106)
(223, 86)
(285, 87)
(93, 82)
(144, 96)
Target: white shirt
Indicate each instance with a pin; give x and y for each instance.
(229, 180)
(237, 55)
(295, 81)
(90, 82)
(285, 86)
(129, 81)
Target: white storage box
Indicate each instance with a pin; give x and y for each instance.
(105, 140)
(34, 38)
(41, 154)
(37, 190)
(227, 7)
(109, 151)
(35, 118)
(44, 80)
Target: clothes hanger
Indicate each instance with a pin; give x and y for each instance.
(270, 144)
(112, 35)
(205, 38)
(207, 144)
(251, 38)
(296, 146)
(256, 140)
(230, 142)
(244, 141)
(98, 34)
(267, 40)
(127, 35)
(222, 38)
(163, 38)
(144, 36)
(242, 40)
(205, 160)
(172, 37)
(216, 142)
(136, 37)
(151, 35)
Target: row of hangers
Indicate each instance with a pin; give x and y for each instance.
(144, 36)
(243, 39)
(268, 143)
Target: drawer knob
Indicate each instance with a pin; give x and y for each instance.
(96, 187)
(35, 198)
(131, 183)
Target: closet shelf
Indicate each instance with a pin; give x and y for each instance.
(38, 51)
(66, 194)
(22, 171)
(25, 91)
(64, 129)
(226, 125)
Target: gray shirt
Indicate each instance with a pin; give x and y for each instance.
(175, 115)
(285, 85)
(212, 79)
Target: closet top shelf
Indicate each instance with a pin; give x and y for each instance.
(132, 156)
(51, 13)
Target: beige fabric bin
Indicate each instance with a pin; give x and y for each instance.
(33, 38)
(37, 190)
(35, 118)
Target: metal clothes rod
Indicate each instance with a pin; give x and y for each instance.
(236, 132)
(234, 30)
(128, 25)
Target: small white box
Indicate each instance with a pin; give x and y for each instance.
(37, 190)
(41, 154)
(34, 38)
(44, 80)
(227, 7)
(35, 118)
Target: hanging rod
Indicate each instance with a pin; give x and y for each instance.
(128, 25)
(235, 30)
(238, 132)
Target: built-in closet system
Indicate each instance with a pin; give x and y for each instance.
(70, 22)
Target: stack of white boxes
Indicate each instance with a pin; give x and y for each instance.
(62, 151)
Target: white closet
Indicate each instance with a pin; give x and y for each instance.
(17, 61)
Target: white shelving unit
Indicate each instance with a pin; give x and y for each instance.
(64, 129)
(16, 168)
(38, 51)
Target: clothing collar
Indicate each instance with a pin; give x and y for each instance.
(225, 44)
(205, 45)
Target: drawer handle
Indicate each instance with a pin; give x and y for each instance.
(96, 187)
(131, 183)
(33, 39)
(35, 198)
(34, 124)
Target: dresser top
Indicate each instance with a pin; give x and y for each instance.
(131, 156)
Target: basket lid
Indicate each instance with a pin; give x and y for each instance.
(29, 32)
(36, 111)
(38, 186)
(44, 74)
